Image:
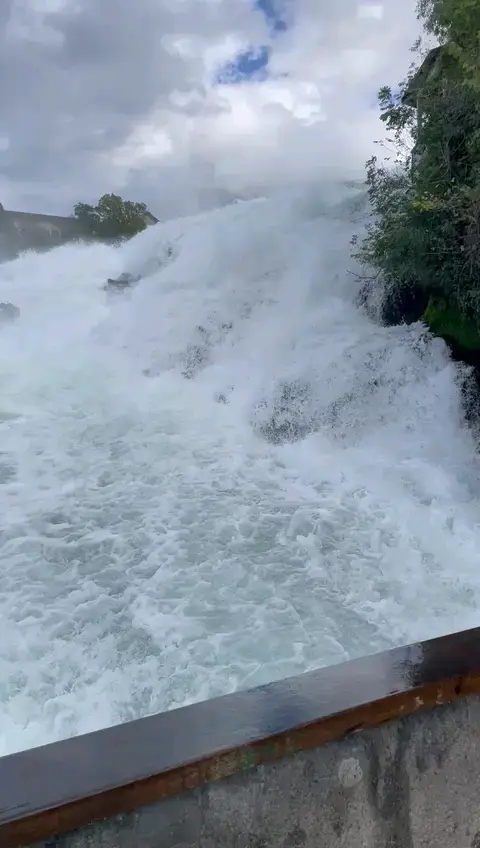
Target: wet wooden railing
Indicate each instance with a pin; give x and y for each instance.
(62, 788)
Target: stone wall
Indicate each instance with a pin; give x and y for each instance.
(412, 783)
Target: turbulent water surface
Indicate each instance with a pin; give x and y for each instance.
(227, 475)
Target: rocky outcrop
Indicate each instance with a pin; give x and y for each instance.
(392, 304)
(462, 335)
(430, 70)
(436, 63)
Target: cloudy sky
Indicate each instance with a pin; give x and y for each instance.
(169, 101)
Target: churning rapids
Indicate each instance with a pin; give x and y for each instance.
(227, 475)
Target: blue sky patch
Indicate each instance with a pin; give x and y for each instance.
(270, 9)
(252, 65)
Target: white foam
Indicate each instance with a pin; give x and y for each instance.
(155, 549)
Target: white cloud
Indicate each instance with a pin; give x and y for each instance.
(115, 95)
(371, 10)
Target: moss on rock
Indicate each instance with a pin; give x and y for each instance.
(449, 323)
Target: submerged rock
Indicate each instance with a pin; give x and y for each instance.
(8, 313)
(195, 358)
(121, 283)
(289, 416)
(198, 354)
(223, 397)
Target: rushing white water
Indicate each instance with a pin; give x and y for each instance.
(161, 542)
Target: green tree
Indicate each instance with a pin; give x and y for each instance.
(425, 230)
(112, 218)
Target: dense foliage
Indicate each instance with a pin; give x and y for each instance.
(425, 229)
(112, 218)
